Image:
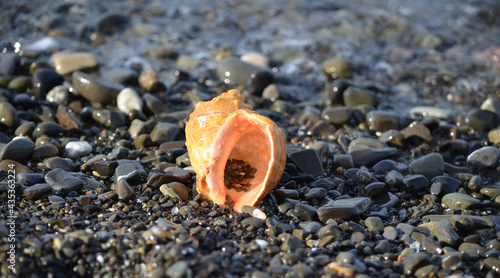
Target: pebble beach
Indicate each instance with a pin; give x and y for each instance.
(391, 112)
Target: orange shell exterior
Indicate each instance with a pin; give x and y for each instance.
(224, 128)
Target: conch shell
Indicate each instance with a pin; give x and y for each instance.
(224, 130)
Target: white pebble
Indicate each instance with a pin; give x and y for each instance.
(262, 243)
(255, 58)
(77, 149)
(128, 99)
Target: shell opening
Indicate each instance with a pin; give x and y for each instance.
(258, 158)
(245, 142)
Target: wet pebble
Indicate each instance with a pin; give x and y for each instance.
(8, 114)
(382, 121)
(45, 151)
(29, 179)
(119, 152)
(484, 157)
(18, 149)
(61, 180)
(37, 191)
(374, 224)
(175, 190)
(235, 71)
(445, 233)
(164, 132)
(128, 99)
(481, 120)
(49, 129)
(460, 201)
(305, 212)
(111, 22)
(68, 119)
(56, 162)
(307, 161)
(430, 165)
(105, 168)
(416, 183)
(124, 190)
(354, 96)
(66, 63)
(25, 129)
(95, 89)
(44, 80)
(344, 208)
(77, 149)
(131, 172)
(413, 262)
(108, 118)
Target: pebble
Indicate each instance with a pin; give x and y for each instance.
(305, 212)
(494, 136)
(336, 115)
(112, 22)
(382, 121)
(105, 168)
(258, 81)
(25, 129)
(178, 269)
(131, 172)
(68, 119)
(148, 80)
(66, 63)
(49, 129)
(29, 179)
(77, 149)
(124, 190)
(430, 165)
(44, 80)
(374, 224)
(382, 247)
(44, 151)
(354, 96)
(390, 234)
(307, 161)
(154, 105)
(95, 89)
(460, 201)
(481, 120)
(56, 162)
(128, 99)
(119, 152)
(37, 191)
(344, 208)
(337, 68)
(484, 157)
(175, 190)
(255, 58)
(61, 180)
(445, 233)
(417, 130)
(9, 63)
(108, 118)
(234, 71)
(416, 183)
(8, 114)
(369, 156)
(18, 149)
(413, 262)
(164, 132)
(45, 44)
(420, 112)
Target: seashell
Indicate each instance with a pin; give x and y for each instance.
(238, 155)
